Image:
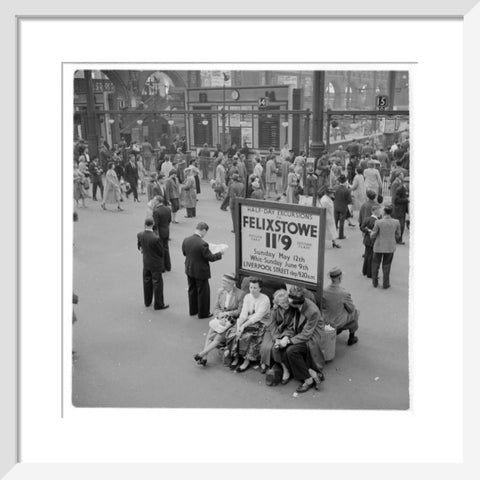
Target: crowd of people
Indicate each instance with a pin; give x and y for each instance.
(280, 329)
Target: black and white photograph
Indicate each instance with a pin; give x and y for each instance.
(241, 237)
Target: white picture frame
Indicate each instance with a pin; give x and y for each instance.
(10, 438)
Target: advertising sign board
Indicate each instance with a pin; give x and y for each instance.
(280, 241)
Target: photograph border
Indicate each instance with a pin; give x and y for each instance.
(10, 350)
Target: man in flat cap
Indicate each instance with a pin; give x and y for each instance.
(386, 233)
(299, 350)
(338, 307)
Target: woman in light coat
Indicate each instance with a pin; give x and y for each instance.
(112, 193)
(292, 185)
(358, 190)
(189, 194)
(326, 201)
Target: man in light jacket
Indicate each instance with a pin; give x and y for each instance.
(385, 233)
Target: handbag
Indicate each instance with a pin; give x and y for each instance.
(218, 327)
(274, 375)
(86, 183)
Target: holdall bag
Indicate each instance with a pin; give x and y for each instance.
(328, 343)
(274, 375)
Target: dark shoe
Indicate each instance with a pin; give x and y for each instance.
(233, 365)
(284, 381)
(318, 379)
(120, 208)
(400, 243)
(342, 238)
(103, 206)
(352, 341)
(162, 307)
(351, 225)
(336, 245)
(305, 387)
(386, 286)
(263, 369)
(375, 283)
(207, 316)
(241, 369)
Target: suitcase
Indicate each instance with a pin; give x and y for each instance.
(329, 340)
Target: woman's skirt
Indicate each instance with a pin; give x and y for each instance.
(248, 344)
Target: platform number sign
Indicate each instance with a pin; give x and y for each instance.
(262, 102)
(381, 102)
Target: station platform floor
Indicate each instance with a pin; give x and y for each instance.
(131, 356)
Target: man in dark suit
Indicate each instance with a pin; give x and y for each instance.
(366, 228)
(197, 268)
(343, 198)
(385, 233)
(162, 216)
(150, 246)
(131, 176)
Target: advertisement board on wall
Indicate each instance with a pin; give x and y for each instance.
(281, 241)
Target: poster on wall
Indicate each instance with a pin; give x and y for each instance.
(281, 240)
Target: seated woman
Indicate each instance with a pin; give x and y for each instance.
(298, 348)
(226, 311)
(274, 329)
(244, 340)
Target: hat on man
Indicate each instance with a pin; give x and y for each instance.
(229, 277)
(330, 190)
(236, 176)
(342, 178)
(335, 272)
(172, 172)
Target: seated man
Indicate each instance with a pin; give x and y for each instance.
(299, 348)
(227, 309)
(338, 308)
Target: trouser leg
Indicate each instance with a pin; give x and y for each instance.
(336, 216)
(341, 224)
(401, 219)
(376, 260)
(296, 360)
(192, 296)
(225, 202)
(386, 265)
(352, 322)
(367, 262)
(203, 293)
(147, 287)
(158, 290)
(166, 255)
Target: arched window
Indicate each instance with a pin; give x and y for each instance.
(157, 84)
